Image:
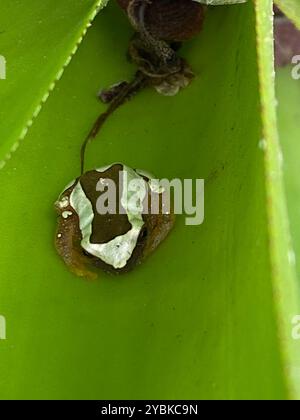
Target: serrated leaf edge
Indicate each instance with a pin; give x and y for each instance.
(95, 10)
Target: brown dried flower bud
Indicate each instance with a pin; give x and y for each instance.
(171, 20)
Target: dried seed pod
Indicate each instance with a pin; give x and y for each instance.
(115, 241)
(171, 20)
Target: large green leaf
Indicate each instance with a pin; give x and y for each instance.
(288, 94)
(37, 39)
(285, 290)
(207, 316)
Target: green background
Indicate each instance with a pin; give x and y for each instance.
(198, 319)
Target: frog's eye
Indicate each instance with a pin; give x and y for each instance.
(88, 239)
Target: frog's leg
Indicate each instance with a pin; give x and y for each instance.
(109, 94)
(68, 239)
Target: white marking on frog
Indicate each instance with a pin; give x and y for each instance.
(67, 214)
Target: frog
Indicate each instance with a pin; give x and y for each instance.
(89, 240)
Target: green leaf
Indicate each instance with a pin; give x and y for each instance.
(285, 290)
(291, 8)
(288, 95)
(209, 314)
(38, 40)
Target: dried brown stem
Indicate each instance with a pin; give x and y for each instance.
(129, 90)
